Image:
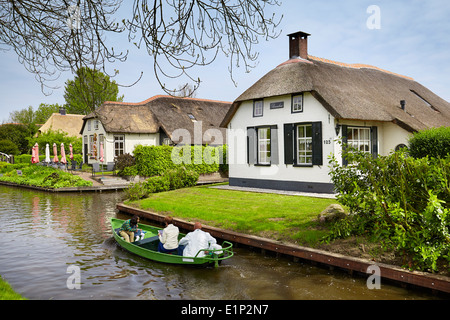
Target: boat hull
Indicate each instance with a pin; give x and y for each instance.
(147, 248)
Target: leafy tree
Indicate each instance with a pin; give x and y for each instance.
(23, 116)
(45, 111)
(18, 134)
(57, 137)
(9, 147)
(89, 90)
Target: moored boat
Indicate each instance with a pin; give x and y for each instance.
(148, 248)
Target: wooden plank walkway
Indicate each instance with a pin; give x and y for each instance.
(352, 264)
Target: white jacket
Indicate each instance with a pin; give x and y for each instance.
(169, 237)
(195, 241)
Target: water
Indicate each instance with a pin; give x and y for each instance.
(44, 234)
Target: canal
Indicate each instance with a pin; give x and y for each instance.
(45, 236)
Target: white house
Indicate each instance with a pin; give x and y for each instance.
(156, 121)
(282, 130)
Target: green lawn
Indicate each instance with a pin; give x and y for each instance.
(7, 293)
(286, 218)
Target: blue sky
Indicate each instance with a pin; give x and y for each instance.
(413, 39)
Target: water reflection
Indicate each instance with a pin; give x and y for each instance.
(44, 233)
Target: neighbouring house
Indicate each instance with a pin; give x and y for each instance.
(160, 120)
(282, 130)
(69, 123)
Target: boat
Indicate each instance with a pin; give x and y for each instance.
(148, 248)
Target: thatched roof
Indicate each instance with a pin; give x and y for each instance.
(357, 92)
(164, 113)
(70, 123)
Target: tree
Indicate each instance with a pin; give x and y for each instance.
(44, 112)
(50, 37)
(24, 116)
(18, 134)
(89, 89)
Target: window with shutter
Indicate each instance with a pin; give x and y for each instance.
(303, 144)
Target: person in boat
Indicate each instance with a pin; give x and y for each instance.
(197, 240)
(168, 237)
(129, 228)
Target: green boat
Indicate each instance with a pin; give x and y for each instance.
(148, 248)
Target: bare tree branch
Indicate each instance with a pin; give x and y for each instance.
(50, 37)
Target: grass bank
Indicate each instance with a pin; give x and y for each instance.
(290, 219)
(40, 176)
(7, 293)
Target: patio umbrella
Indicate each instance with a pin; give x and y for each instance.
(101, 155)
(47, 153)
(101, 152)
(71, 152)
(63, 154)
(36, 153)
(55, 152)
(33, 152)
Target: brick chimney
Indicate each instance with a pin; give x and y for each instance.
(298, 45)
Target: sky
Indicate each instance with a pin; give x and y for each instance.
(411, 38)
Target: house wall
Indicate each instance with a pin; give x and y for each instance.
(287, 176)
(130, 141)
(280, 175)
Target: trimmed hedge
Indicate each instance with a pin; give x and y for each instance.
(156, 160)
(172, 179)
(433, 142)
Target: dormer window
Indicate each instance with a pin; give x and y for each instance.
(258, 106)
(191, 116)
(297, 103)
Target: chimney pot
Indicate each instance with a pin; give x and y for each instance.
(403, 104)
(62, 111)
(298, 45)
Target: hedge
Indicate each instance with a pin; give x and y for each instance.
(156, 160)
(434, 142)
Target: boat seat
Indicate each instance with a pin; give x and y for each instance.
(144, 241)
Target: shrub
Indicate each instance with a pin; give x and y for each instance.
(398, 200)
(171, 180)
(9, 147)
(156, 160)
(433, 142)
(123, 161)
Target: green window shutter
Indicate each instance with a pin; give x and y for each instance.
(317, 158)
(288, 143)
(344, 143)
(374, 141)
(274, 157)
(252, 143)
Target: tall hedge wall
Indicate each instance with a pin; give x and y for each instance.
(155, 160)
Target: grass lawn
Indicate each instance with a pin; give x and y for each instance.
(7, 293)
(287, 218)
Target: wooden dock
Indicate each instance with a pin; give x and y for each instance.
(434, 282)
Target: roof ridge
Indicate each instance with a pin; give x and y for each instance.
(161, 96)
(357, 66)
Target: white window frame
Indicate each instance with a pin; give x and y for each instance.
(119, 145)
(264, 145)
(297, 103)
(304, 144)
(358, 138)
(258, 108)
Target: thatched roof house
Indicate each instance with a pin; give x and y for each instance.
(353, 91)
(69, 123)
(294, 117)
(163, 114)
